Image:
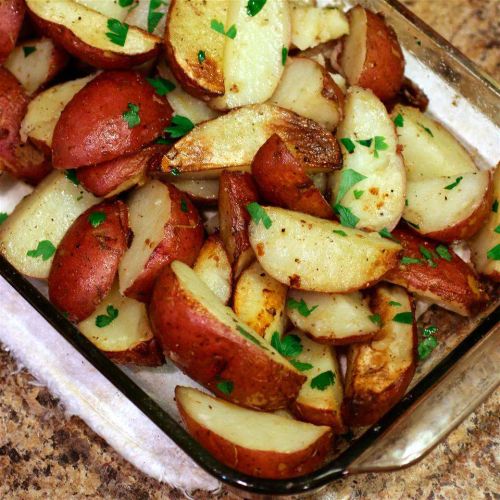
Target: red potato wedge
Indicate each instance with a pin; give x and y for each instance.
(140, 17)
(372, 57)
(204, 192)
(315, 254)
(115, 176)
(104, 133)
(219, 144)
(379, 371)
(320, 399)
(259, 300)
(214, 347)
(166, 226)
(83, 33)
(255, 443)
(214, 268)
(282, 180)
(378, 198)
(11, 20)
(328, 318)
(36, 62)
(86, 261)
(448, 282)
(236, 191)
(126, 339)
(44, 215)
(187, 32)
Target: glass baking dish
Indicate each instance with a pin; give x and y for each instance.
(450, 384)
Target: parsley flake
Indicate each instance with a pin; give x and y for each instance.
(117, 33)
(301, 307)
(3, 217)
(125, 3)
(105, 319)
(376, 319)
(427, 254)
(454, 184)
(443, 252)
(179, 126)
(161, 85)
(248, 336)
(323, 380)
(257, 213)
(497, 229)
(494, 207)
(427, 129)
(410, 260)
(131, 116)
(348, 178)
(71, 176)
(174, 171)
(28, 50)
(348, 144)
(255, 6)
(301, 366)
(347, 218)
(494, 253)
(201, 56)
(357, 194)
(340, 232)
(225, 386)
(394, 303)
(399, 120)
(365, 142)
(380, 145)
(416, 226)
(425, 347)
(289, 346)
(45, 250)
(284, 55)
(219, 27)
(404, 317)
(96, 218)
(154, 17)
(385, 233)
(184, 206)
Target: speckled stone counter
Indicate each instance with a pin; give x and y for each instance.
(45, 455)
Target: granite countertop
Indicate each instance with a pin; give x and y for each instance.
(43, 454)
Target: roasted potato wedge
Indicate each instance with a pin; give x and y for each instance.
(214, 347)
(166, 226)
(214, 268)
(255, 443)
(86, 261)
(282, 180)
(140, 16)
(372, 57)
(434, 272)
(379, 371)
(218, 144)
(11, 20)
(259, 301)
(332, 318)
(203, 191)
(33, 231)
(118, 112)
(372, 158)
(315, 254)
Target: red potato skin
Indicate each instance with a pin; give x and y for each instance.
(102, 133)
(454, 283)
(318, 416)
(283, 181)
(257, 463)
(182, 240)
(147, 353)
(208, 350)
(11, 20)
(86, 261)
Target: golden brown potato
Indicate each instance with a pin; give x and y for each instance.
(214, 347)
(372, 57)
(282, 180)
(379, 371)
(86, 261)
(255, 443)
(11, 20)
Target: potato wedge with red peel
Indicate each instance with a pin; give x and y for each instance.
(332, 318)
(187, 33)
(127, 338)
(11, 20)
(118, 113)
(140, 17)
(445, 279)
(203, 191)
(36, 62)
(253, 56)
(282, 180)
(306, 88)
(214, 347)
(236, 191)
(449, 208)
(372, 57)
(379, 371)
(320, 399)
(485, 245)
(259, 300)
(214, 268)
(219, 144)
(372, 158)
(115, 176)
(82, 32)
(252, 442)
(313, 254)
(166, 226)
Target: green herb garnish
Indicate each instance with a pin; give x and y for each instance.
(154, 17)
(428, 130)
(184, 206)
(201, 56)
(219, 27)
(105, 319)
(443, 252)
(494, 253)
(117, 33)
(380, 145)
(289, 346)
(255, 6)
(284, 55)
(179, 126)
(340, 232)
(28, 50)
(299, 365)
(394, 303)
(454, 184)
(410, 260)
(497, 229)
(494, 207)
(301, 307)
(45, 250)
(97, 218)
(399, 120)
(348, 144)
(348, 178)
(376, 319)
(161, 85)
(131, 116)
(416, 226)
(225, 386)
(428, 344)
(3, 217)
(427, 254)
(365, 142)
(323, 380)
(257, 213)
(357, 194)
(174, 171)
(125, 3)
(71, 175)
(347, 218)
(385, 233)
(248, 336)
(404, 317)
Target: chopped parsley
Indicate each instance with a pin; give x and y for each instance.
(416, 226)
(248, 336)
(494, 207)
(257, 213)
(399, 120)
(97, 218)
(410, 260)
(394, 303)
(406, 203)
(255, 6)
(225, 386)
(174, 171)
(385, 233)
(429, 342)
(340, 232)
(179, 126)
(365, 142)
(45, 250)
(454, 184)
(357, 194)
(494, 253)
(71, 175)
(154, 17)
(125, 3)
(105, 319)
(299, 365)
(301, 307)
(347, 218)
(117, 33)
(289, 347)
(284, 55)
(496, 230)
(27, 49)
(427, 129)
(201, 56)
(380, 145)
(131, 116)
(184, 206)
(348, 178)
(323, 380)
(348, 144)
(404, 317)
(427, 254)
(376, 319)
(161, 85)
(219, 27)
(443, 252)
(3, 217)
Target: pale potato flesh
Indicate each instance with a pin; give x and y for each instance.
(45, 214)
(300, 90)
(109, 8)
(138, 16)
(90, 26)
(429, 150)
(354, 49)
(384, 189)
(253, 59)
(149, 209)
(336, 316)
(433, 208)
(203, 190)
(304, 252)
(130, 328)
(254, 430)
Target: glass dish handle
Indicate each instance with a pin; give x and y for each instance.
(438, 412)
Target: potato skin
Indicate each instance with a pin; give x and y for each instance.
(102, 133)
(283, 181)
(318, 416)
(86, 261)
(11, 20)
(146, 353)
